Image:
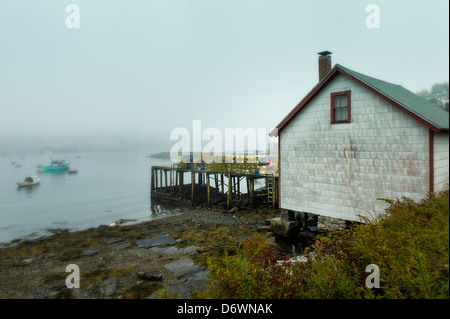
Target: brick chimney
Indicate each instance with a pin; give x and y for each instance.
(324, 64)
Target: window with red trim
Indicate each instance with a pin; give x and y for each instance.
(340, 107)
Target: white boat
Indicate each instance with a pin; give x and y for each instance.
(29, 181)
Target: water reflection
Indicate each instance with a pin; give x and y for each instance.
(55, 176)
(28, 190)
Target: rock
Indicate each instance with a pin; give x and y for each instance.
(311, 219)
(313, 229)
(296, 259)
(326, 223)
(263, 229)
(188, 250)
(123, 246)
(43, 292)
(285, 228)
(89, 252)
(305, 236)
(156, 241)
(299, 217)
(115, 241)
(184, 286)
(223, 221)
(183, 267)
(198, 280)
(124, 220)
(288, 215)
(177, 289)
(165, 250)
(148, 276)
(110, 286)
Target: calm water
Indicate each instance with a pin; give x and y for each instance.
(108, 187)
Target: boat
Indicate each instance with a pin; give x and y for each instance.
(55, 166)
(29, 181)
(72, 170)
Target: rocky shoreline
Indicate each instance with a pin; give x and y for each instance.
(162, 257)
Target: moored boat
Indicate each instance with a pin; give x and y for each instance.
(56, 166)
(29, 181)
(72, 170)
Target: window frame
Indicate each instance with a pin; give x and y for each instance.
(348, 94)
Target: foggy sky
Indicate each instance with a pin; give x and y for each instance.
(145, 67)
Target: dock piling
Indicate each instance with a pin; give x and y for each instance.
(171, 186)
(192, 187)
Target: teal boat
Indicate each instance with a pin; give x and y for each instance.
(56, 166)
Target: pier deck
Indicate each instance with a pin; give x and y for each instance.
(224, 176)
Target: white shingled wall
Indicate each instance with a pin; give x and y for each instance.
(441, 162)
(340, 170)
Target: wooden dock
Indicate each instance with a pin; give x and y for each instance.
(221, 179)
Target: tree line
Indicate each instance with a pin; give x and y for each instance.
(438, 94)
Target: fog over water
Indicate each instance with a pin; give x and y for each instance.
(132, 71)
(26, 144)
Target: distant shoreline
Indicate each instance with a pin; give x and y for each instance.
(160, 155)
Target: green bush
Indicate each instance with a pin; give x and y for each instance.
(409, 244)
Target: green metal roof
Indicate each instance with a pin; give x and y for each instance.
(414, 103)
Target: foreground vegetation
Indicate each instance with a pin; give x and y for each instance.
(409, 244)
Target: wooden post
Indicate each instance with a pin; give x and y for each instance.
(180, 185)
(274, 192)
(165, 181)
(161, 180)
(208, 189)
(230, 182)
(176, 177)
(221, 183)
(156, 180)
(247, 182)
(238, 185)
(275, 188)
(192, 187)
(152, 182)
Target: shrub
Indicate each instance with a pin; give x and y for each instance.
(409, 244)
(252, 272)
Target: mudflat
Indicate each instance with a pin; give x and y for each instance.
(127, 261)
